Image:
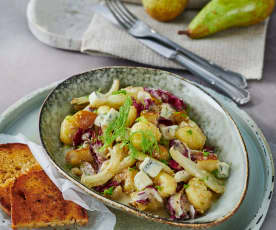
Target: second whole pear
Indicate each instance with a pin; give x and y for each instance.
(164, 10)
(222, 14)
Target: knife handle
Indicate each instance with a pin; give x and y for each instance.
(239, 95)
(230, 76)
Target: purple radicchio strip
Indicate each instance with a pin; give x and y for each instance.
(96, 163)
(139, 106)
(180, 147)
(107, 185)
(164, 121)
(148, 103)
(77, 138)
(179, 186)
(179, 207)
(167, 97)
(142, 198)
(175, 166)
(94, 147)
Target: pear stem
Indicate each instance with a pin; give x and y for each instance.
(181, 32)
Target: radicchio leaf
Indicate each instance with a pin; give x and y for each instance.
(95, 145)
(167, 97)
(179, 207)
(148, 103)
(77, 138)
(174, 165)
(180, 147)
(139, 106)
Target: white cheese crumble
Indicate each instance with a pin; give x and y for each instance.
(168, 132)
(223, 170)
(150, 167)
(166, 111)
(106, 118)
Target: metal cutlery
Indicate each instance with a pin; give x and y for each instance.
(230, 83)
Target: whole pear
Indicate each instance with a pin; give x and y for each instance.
(222, 14)
(164, 10)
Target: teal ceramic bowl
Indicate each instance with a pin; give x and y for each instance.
(219, 127)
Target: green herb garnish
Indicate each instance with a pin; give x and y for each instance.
(108, 191)
(205, 153)
(142, 119)
(190, 132)
(122, 91)
(182, 114)
(117, 128)
(148, 141)
(158, 187)
(215, 172)
(132, 168)
(164, 142)
(133, 151)
(164, 161)
(185, 186)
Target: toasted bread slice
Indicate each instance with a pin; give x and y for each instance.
(15, 159)
(37, 202)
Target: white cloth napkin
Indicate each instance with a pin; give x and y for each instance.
(237, 49)
(100, 218)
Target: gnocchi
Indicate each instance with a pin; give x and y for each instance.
(191, 136)
(143, 126)
(199, 196)
(71, 124)
(167, 184)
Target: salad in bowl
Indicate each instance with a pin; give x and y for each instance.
(139, 146)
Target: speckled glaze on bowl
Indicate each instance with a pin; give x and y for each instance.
(216, 123)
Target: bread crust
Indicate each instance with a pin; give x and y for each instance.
(37, 202)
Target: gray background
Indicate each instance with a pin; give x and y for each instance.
(26, 64)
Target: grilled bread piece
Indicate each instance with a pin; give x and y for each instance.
(37, 202)
(15, 159)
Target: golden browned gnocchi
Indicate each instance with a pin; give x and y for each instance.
(167, 184)
(71, 124)
(139, 146)
(137, 130)
(198, 194)
(191, 136)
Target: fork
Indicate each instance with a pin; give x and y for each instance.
(229, 82)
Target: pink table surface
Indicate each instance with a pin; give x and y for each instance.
(26, 65)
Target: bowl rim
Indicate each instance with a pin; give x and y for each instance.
(127, 208)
